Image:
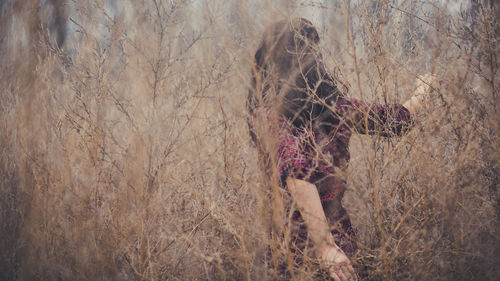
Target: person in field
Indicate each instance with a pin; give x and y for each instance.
(307, 117)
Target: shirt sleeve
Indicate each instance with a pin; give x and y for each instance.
(374, 119)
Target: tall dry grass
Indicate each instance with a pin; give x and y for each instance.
(125, 153)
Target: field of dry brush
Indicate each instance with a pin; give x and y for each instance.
(125, 153)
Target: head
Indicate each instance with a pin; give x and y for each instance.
(288, 71)
(285, 43)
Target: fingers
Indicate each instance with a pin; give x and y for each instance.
(426, 84)
(334, 275)
(339, 265)
(342, 273)
(349, 273)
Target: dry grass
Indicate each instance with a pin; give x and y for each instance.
(125, 153)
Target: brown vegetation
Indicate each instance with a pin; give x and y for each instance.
(125, 154)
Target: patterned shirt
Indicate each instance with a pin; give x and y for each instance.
(313, 154)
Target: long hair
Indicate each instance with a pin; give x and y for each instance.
(288, 74)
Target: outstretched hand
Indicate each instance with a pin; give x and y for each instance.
(338, 264)
(424, 87)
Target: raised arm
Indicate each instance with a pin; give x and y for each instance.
(386, 120)
(367, 118)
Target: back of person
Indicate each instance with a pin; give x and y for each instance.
(299, 118)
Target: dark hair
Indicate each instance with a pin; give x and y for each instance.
(289, 75)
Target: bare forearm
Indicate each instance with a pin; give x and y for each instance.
(307, 199)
